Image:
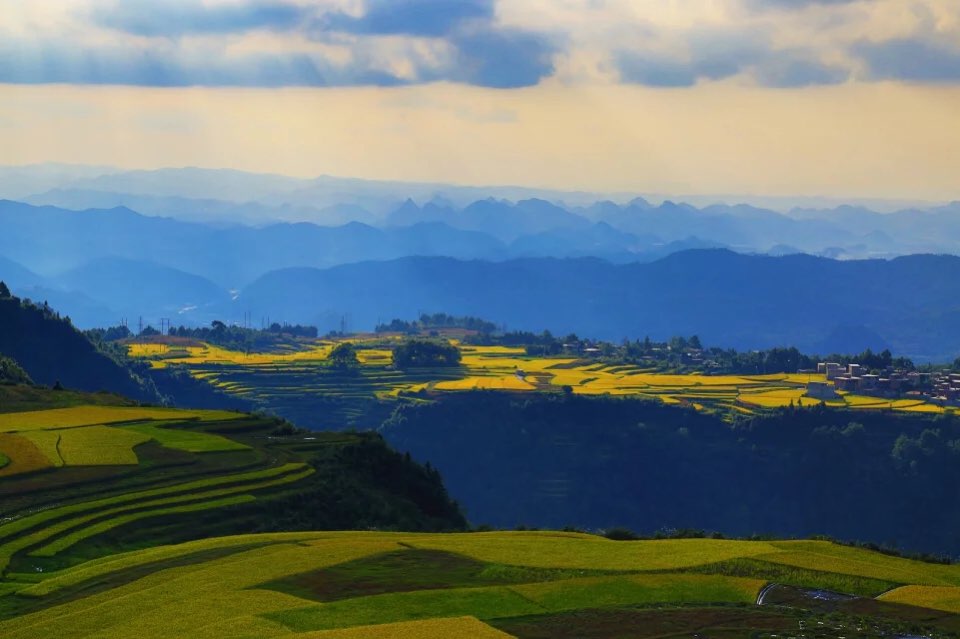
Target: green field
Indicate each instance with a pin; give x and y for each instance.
(342, 584)
(191, 441)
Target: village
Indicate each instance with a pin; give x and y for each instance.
(941, 388)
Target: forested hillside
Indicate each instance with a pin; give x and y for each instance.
(602, 462)
(51, 350)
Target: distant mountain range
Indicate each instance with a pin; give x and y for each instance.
(195, 245)
(104, 265)
(909, 304)
(530, 222)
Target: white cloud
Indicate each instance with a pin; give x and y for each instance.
(496, 43)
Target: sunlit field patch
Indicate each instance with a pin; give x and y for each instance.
(161, 355)
(92, 415)
(506, 382)
(777, 398)
(183, 439)
(99, 446)
(423, 629)
(946, 598)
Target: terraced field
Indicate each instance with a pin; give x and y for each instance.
(88, 435)
(500, 584)
(74, 475)
(92, 415)
(300, 386)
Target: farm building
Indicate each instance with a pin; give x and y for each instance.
(830, 369)
(821, 390)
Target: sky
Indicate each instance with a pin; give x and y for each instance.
(838, 98)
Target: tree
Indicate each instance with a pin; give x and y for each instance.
(11, 373)
(344, 356)
(4, 291)
(420, 353)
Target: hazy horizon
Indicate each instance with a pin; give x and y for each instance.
(783, 202)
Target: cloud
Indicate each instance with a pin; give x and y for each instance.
(787, 71)
(654, 70)
(388, 42)
(23, 63)
(799, 4)
(501, 59)
(172, 18)
(715, 57)
(411, 17)
(910, 59)
(499, 44)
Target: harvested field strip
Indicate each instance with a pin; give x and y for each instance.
(409, 570)
(32, 521)
(41, 535)
(424, 629)
(806, 578)
(512, 601)
(24, 455)
(48, 441)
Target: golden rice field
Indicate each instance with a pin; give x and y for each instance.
(425, 629)
(73, 417)
(946, 598)
(231, 595)
(163, 355)
(509, 368)
(99, 446)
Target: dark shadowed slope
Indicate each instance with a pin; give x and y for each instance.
(50, 349)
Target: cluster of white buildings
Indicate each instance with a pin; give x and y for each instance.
(942, 388)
